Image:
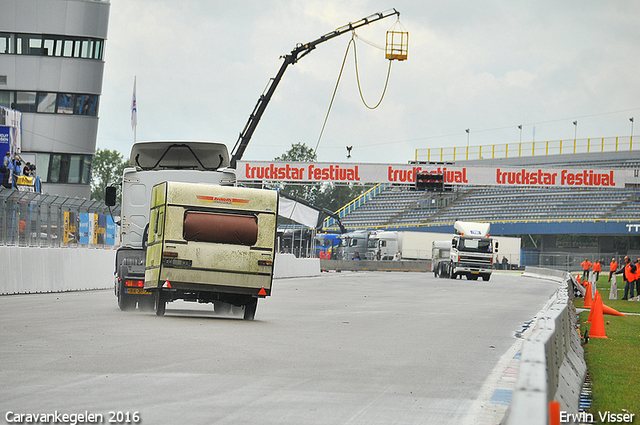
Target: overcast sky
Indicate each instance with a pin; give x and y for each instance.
(487, 66)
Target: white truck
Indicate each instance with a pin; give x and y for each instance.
(383, 245)
(410, 245)
(151, 163)
(472, 251)
(440, 258)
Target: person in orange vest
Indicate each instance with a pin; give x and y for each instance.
(613, 266)
(637, 278)
(586, 266)
(597, 268)
(629, 276)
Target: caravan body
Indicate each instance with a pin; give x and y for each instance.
(210, 243)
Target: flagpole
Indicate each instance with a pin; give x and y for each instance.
(134, 111)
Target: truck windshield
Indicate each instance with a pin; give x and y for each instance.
(323, 242)
(478, 245)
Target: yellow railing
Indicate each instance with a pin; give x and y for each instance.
(351, 227)
(512, 150)
(330, 221)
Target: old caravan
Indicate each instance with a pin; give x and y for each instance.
(210, 243)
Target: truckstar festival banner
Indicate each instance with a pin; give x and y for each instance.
(398, 173)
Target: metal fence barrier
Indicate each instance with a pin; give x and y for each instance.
(43, 220)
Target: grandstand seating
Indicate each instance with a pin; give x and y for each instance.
(402, 206)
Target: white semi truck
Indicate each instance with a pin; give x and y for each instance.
(409, 245)
(471, 252)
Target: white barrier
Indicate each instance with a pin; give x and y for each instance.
(287, 265)
(26, 270)
(552, 366)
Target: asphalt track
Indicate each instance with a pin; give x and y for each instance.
(343, 348)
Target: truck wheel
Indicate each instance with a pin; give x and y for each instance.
(125, 302)
(486, 277)
(160, 302)
(436, 270)
(250, 309)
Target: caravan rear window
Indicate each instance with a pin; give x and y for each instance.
(220, 228)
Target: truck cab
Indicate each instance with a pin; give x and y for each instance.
(352, 241)
(440, 258)
(472, 251)
(384, 242)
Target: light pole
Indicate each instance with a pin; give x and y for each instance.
(520, 127)
(467, 155)
(575, 133)
(631, 137)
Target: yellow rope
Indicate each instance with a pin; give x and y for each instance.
(386, 83)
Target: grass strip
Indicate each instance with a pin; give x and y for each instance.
(614, 363)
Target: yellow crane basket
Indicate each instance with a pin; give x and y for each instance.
(397, 47)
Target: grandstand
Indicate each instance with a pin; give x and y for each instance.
(512, 210)
(399, 206)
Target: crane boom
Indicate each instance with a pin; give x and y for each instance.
(296, 54)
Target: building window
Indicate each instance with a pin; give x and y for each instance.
(66, 103)
(75, 165)
(51, 45)
(86, 104)
(42, 166)
(7, 98)
(7, 43)
(63, 168)
(50, 103)
(25, 101)
(46, 103)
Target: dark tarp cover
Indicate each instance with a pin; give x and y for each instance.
(221, 228)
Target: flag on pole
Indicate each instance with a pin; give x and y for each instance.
(134, 107)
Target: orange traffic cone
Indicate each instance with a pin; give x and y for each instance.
(592, 309)
(597, 324)
(611, 311)
(554, 413)
(588, 299)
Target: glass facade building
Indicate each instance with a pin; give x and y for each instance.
(51, 69)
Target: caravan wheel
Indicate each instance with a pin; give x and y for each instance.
(161, 302)
(250, 309)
